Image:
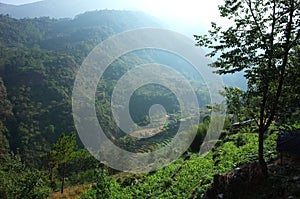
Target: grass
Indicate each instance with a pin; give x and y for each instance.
(70, 192)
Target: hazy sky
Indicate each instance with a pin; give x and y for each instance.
(17, 2)
(196, 14)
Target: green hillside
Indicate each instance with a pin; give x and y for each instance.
(188, 177)
(41, 154)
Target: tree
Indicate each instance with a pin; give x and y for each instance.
(104, 185)
(235, 104)
(201, 130)
(261, 41)
(19, 181)
(5, 115)
(63, 151)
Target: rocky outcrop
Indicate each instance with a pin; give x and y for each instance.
(235, 183)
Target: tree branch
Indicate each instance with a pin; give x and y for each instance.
(249, 3)
(287, 48)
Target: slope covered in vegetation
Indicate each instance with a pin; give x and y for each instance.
(39, 61)
(188, 177)
(38, 150)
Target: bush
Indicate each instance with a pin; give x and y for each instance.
(18, 181)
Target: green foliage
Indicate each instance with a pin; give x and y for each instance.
(65, 149)
(63, 152)
(189, 177)
(201, 133)
(5, 115)
(38, 64)
(18, 181)
(263, 41)
(236, 107)
(102, 188)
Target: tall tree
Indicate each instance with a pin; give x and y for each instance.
(63, 151)
(261, 41)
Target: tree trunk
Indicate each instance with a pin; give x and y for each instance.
(51, 178)
(51, 167)
(261, 159)
(63, 178)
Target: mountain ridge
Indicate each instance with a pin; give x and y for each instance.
(6, 5)
(59, 9)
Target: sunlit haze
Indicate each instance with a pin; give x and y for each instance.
(188, 11)
(190, 16)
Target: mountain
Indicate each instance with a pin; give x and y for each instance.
(38, 64)
(71, 8)
(60, 9)
(39, 59)
(6, 8)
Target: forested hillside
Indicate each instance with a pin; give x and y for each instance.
(41, 154)
(39, 60)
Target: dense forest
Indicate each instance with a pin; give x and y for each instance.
(38, 68)
(41, 153)
(39, 61)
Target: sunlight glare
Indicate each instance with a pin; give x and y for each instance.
(187, 10)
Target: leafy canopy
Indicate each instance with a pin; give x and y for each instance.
(262, 40)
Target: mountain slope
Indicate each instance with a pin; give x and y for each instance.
(60, 8)
(38, 63)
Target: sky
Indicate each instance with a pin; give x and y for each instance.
(17, 2)
(191, 10)
(192, 14)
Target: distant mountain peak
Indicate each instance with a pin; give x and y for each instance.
(59, 8)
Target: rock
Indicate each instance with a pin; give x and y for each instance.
(237, 171)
